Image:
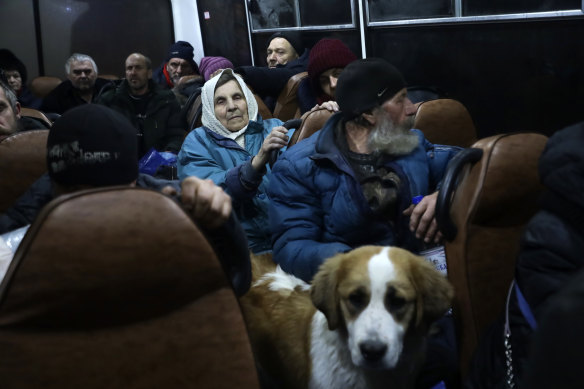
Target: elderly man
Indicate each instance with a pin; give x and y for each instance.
(179, 62)
(81, 87)
(10, 119)
(351, 184)
(153, 111)
(286, 57)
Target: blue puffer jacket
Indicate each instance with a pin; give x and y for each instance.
(206, 154)
(317, 207)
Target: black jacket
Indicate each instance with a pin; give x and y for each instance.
(551, 254)
(267, 83)
(65, 97)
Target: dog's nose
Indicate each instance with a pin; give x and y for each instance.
(373, 350)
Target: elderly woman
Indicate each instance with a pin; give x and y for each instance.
(232, 149)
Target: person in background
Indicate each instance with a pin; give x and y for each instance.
(11, 121)
(286, 56)
(81, 87)
(179, 62)
(153, 111)
(328, 58)
(232, 149)
(210, 66)
(16, 75)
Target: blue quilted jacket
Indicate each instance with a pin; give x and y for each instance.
(317, 207)
(207, 155)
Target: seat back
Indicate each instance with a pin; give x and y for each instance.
(445, 121)
(23, 161)
(43, 85)
(118, 288)
(263, 109)
(483, 206)
(311, 123)
(287, 104)
(35, 113)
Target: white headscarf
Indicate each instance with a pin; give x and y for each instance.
(210, 120)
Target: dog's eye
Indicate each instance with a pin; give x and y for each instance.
(395, 302)
(357, 299)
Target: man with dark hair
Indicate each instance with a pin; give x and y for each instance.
(286, 56)
(81, 87)
(351, 184)
(153, 111)
(179, 61)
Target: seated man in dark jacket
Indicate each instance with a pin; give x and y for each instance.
(154, 112)
(285, 57)
(82, 85)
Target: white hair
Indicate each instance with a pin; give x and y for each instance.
(76, 57)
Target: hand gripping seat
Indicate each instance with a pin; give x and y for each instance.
(489, 193)
(23, 160)
(117, 288)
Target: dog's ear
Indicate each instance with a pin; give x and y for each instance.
(324, 292)
(435, 292)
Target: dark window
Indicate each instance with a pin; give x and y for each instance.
(494, 7)
(385, 10)
(107, 30)
(325, 12)
(272, 13)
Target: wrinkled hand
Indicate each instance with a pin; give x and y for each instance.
(274, 141)
(422, 219)
(205, 202)
(332, 106)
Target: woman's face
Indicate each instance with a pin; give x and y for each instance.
(14, 79)
(231, 106)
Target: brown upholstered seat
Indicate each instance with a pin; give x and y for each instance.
(112, 77)
(35, 113)
(445, 121)
(287, 104)
(263, 109)
(41, 86)
(495, 197)
(23, 161)
(311, 123)
(118, 288)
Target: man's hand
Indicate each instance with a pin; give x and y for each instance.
(422, 219)
(332, 106)
(205, 202)
(275, 140)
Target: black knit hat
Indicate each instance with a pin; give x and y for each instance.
(9, 61)
(183, 50)
(365, 84)
(293, 37)
(327, 54)
(92, 145)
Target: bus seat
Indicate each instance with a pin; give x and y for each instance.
(35, 113)
(112, 77)
(445, 121)
(263, 109)
(43, 85)
(117, 288)
(194, 111)
(489, 193)
(23, 161)
(287, 105)
(311, 123)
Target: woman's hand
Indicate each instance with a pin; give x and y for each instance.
(276, 139)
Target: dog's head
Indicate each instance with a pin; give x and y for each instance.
(378, 294)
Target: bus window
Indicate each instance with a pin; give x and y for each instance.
(107, 30)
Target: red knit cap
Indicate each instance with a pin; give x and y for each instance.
(327, 54)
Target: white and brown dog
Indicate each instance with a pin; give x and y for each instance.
(361, 324)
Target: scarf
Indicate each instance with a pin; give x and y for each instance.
(210, 120)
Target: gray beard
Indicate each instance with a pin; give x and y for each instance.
(387, 138)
